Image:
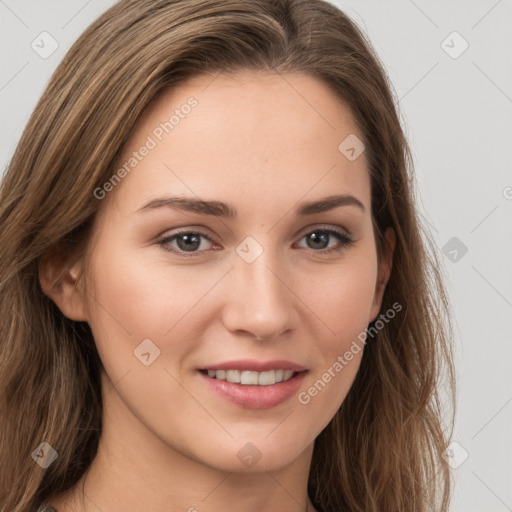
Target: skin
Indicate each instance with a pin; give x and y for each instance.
(262, 146)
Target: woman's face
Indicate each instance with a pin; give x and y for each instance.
(251, 271)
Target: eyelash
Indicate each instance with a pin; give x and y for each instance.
(344, 241)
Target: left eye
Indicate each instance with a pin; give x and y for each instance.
(322, 236)
(191, 242)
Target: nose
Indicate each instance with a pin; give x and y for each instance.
(259, 299)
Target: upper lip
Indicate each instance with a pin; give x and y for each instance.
(255, 366)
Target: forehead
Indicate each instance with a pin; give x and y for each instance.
(263, 132)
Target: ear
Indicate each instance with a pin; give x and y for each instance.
(384, 271)
(59, 279)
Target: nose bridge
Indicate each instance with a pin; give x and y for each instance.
(262, 303)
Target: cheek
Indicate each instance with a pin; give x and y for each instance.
(137, 296)
(341, 297)
(349, 303)
(341, 301)
(137, 293)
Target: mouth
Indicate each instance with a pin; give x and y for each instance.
(251, 378)
(251, 389)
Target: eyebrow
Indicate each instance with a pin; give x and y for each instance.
(220, 209)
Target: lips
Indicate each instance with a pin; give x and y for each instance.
(254, 384)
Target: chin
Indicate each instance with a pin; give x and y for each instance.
(253, 455)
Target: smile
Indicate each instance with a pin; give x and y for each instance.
(251, 378)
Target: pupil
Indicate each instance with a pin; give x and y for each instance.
(191, 242)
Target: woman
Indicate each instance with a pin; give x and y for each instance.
(215, 289)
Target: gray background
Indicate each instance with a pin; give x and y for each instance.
(457, 112)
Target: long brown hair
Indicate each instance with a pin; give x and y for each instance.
(382, 451)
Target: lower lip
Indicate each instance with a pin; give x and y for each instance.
(256, 397)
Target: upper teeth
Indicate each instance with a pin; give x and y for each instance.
(251, 378)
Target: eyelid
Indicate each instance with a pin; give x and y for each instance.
(198, 230)
(329, 227)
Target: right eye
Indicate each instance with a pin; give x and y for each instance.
(184, 242)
